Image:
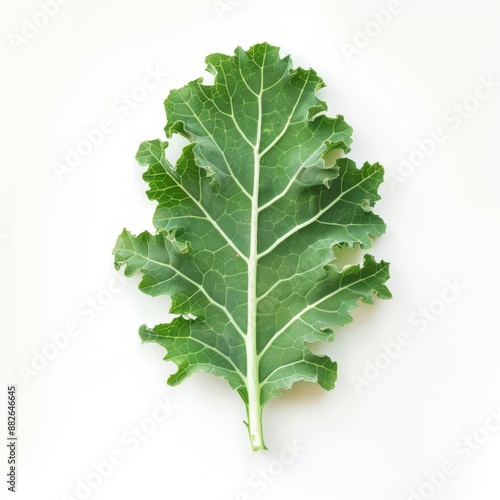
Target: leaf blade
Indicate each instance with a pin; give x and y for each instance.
(248, 224)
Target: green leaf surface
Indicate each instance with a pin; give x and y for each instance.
(248, 222)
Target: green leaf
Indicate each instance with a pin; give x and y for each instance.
(248, 224)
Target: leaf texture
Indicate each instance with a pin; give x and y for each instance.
(248, 222)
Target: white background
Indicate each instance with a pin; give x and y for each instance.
(375, 442)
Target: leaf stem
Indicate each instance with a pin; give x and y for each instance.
(254, 407)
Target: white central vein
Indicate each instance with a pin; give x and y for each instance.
(253, 382)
